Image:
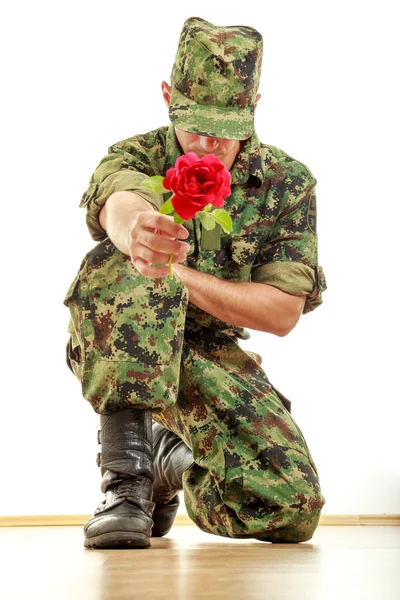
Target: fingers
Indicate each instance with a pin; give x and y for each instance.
(161, 223)
(153, 241)
(158, 243)
(157, 258)
(147, 270)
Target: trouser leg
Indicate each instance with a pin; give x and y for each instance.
(253, 475)
(125, 346)
(126, 333)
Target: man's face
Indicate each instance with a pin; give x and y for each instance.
(225, 150)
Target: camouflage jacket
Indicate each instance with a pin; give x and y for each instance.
(272, 205)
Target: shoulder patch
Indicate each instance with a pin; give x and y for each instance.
(312, 213)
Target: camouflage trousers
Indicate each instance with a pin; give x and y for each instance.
(133, 343)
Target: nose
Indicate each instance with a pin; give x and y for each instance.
(208, 144)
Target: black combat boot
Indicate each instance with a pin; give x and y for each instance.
(123, 519)
(171, 459)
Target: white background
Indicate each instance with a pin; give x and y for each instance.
(79, 76)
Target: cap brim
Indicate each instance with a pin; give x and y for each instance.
(221, 122)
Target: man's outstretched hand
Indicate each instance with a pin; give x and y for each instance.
(144, 234)
(153, 239)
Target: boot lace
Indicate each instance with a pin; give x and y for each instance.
(164, 495)
(129, 487)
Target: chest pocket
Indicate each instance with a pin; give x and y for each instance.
(227, 256)
(233, 261)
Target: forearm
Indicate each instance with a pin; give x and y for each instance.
(254, 305)
(117, 215)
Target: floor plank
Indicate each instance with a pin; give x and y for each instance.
(339, 563)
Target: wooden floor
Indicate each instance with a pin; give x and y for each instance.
(339, 563)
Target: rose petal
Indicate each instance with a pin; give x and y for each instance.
(211, 159)
(209, 199)
(186, 160)
(185, 207)
(218, 201)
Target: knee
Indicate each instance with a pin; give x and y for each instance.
(126, 332)
(296, 527)
(108, 263)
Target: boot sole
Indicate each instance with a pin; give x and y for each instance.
(118, 539)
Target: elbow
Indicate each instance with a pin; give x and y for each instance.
(278, 326)
(280, 329)
(291, 316)
(283, 331)
(286, 325)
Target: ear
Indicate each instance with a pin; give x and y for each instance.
(257, 99)
(166, 92)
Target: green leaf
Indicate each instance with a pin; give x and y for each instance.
(178, 219)
(207, 208)
(207, 220)
(167, 207)
(155, 184)
(222, 217)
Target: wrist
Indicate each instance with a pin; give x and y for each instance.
(183, 274)
(118, 217)
(179, 270)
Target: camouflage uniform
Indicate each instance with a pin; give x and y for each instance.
(136, 341)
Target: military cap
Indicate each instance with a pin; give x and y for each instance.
(215, 79)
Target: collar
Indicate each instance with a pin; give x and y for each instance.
(172, 149)
(248, 162)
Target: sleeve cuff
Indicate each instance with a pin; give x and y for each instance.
(97, 195)
(294, 278)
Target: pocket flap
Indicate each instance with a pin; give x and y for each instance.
(71, 291)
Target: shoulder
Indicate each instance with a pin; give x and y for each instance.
(279, 164)
(145, 142)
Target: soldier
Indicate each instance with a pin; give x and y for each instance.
(181, 404)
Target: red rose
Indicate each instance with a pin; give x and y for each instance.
(196, 182)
